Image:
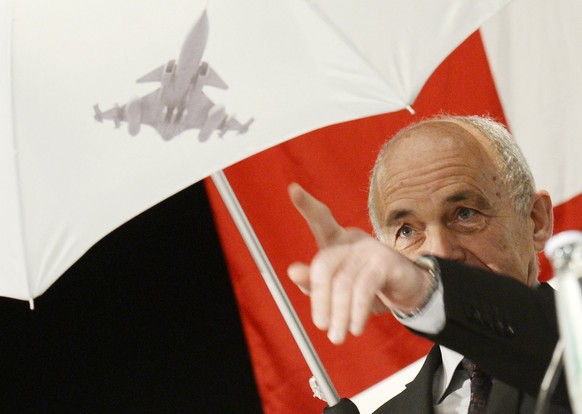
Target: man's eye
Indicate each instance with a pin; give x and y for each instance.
(404, 231)
(466, 213)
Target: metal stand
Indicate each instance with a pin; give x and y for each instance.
(324, 383)
(550, 380)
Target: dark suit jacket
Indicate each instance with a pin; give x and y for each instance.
(507, 328)
(417, 397)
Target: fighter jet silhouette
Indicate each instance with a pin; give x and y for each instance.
(179, 104)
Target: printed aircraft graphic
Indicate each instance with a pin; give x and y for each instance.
(179, 104)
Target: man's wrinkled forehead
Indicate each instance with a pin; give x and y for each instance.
(434, 140)
(427, 140)
(435, 129)
(423, 148)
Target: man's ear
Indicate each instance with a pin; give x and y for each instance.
(542, 216)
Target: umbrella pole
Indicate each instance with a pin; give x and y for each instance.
(273, 283)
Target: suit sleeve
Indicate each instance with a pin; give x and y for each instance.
(509, 329)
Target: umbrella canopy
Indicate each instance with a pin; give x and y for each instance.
(289, 66)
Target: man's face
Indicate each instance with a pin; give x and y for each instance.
(439, 193)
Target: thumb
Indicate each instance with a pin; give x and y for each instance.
(299, 274)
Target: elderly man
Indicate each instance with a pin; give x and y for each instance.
(454, 207)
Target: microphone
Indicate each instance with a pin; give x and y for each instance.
(564, 251)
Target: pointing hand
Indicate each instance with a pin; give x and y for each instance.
(353, 274)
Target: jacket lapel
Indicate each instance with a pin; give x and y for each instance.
(417, 397)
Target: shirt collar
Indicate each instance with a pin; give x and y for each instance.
(451, 361)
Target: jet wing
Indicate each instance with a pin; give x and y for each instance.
(154, 76)
(150, 108)
(210, 77)
(198, 107)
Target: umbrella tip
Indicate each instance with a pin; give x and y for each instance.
(411, 110)
(31, 303)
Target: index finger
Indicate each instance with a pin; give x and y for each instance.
(317, 215)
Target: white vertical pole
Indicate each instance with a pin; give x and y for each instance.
(285, 307)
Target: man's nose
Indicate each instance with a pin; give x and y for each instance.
(442, 242)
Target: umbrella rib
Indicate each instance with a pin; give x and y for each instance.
(276, 289)
(353, 47)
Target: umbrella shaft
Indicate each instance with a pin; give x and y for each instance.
(275, 287)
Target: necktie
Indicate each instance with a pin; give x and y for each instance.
(480, 387)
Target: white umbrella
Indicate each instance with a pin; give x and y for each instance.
(293, 66)
(284, 67)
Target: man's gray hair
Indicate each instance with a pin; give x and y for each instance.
(511, 163)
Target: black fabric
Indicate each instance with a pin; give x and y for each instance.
(507, 328)
(344, 406)
(417, 397)
(145, 322)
